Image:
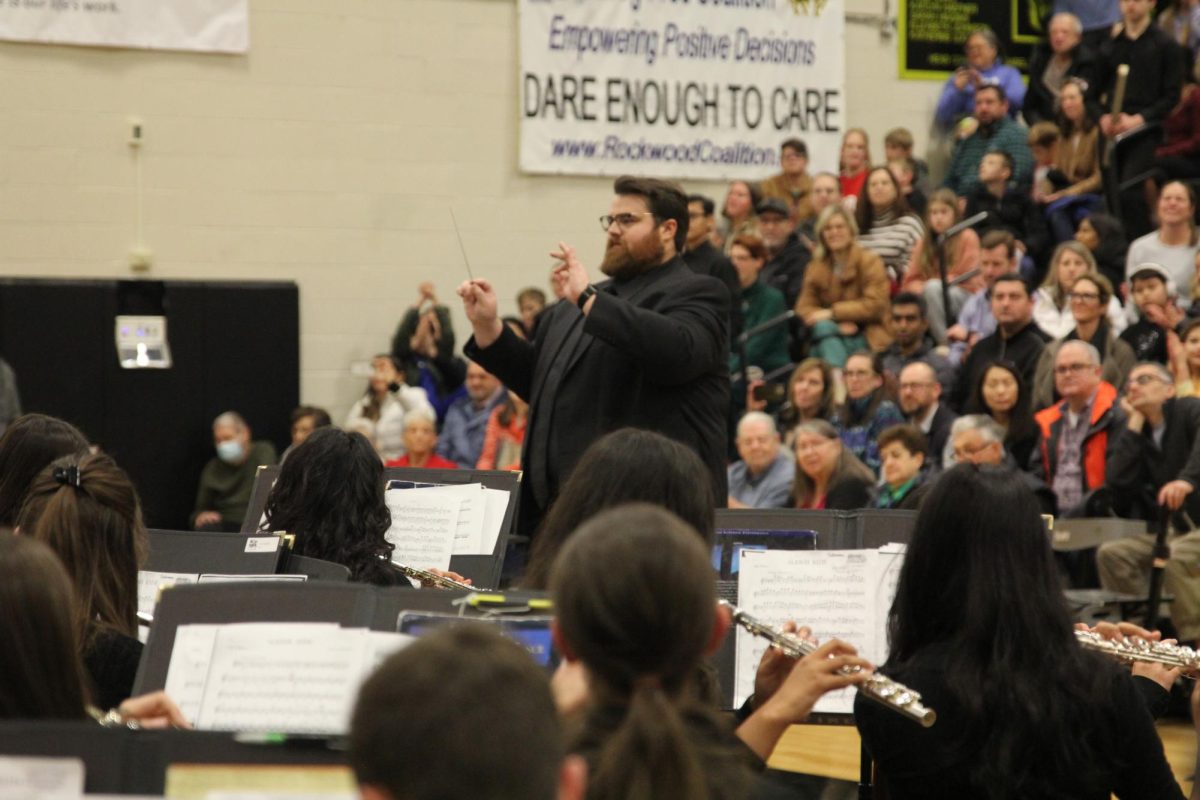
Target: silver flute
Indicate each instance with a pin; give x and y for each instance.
(1137, 650)
(433, 579)
(878, 687)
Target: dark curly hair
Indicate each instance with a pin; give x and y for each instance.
(330, 495)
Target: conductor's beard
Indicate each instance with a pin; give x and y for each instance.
(623, 261)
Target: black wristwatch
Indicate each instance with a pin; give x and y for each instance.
(588, 293)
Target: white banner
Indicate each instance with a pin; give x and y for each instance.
(679, 88)
(207, 25)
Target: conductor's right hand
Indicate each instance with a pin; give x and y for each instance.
(479, 303)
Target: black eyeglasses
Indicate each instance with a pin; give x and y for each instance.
(624, 221)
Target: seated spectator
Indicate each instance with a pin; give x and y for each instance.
(28, 445)
(898, 145)
(1056, 63)
(1052, 310)
(1185, 367)
(1152, 85)
(767, 350)
(1104, 237)
(1016, 338)
(227, 481)
(904, 170)
(381, 410)
(85, 508)
(1044, 141)
(886, 225)
(809, 395)
(704, 258)
(1181, 20)
(1152, 294)
(960, 94)
(463, 431)
(853, 163)
(1178, 157)
(828, 475)
(867, 411)
(826, 192)
(763, 477)
(1174, 244)
(844, 300)
(413, 733)
(1077, 435)
(330, 494)
(504, 435)
(1088, 297)
(903, 450)
(10, 398)
(912, 342)
(1002, 395)
(1096, 18)
(961, 254)
(1009, 208)
(920, 395)
(637, 614)
(420, 439)
(625, 466)
(978, 439)
(43, 676)
(423, 351)
(793, 185)
(1077, 182)
(997, 257)
(991, 130)
(787, 256)
(1154, 462)
(737, 213)
(305, 420)
(531, 302)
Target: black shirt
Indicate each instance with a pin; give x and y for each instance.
(1155, 72)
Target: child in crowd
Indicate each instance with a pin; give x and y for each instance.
(898, 144)
(1152, 293)
(1044, 138)
(1008, 208)
(904, 171)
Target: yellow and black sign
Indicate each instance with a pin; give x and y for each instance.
(933, 32)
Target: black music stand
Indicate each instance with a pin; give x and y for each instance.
(1158, 565)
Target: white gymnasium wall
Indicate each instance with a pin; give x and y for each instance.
(329, 155)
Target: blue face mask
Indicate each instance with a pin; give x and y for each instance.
(230, 451)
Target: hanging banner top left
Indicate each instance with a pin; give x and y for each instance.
(214, 26)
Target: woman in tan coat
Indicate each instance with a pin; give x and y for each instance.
(1078, 161)
(845, 300)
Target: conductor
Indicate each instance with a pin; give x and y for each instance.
(647, 348)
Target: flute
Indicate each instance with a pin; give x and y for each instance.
(878, 687)
(1137, 650)
(433, 579)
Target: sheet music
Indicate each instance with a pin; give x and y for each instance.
(381, 644)
(423, 528)
(212, 577)
(149, 583)
(469, 534)
(497, 501)
(282, 677)
(189, 667)
(30, 778)
(836, 593)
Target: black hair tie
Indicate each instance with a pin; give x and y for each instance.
(69, 476)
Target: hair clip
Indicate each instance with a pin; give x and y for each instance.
(69, 476)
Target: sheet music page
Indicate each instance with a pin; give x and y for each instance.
(149, 583)
(30, 778)
(885, 573)
(188, 669)
(212, 577)
(282, 677)
(497, 501)
(469, 535)
(381, 644)
(827, 590)
(424, 527)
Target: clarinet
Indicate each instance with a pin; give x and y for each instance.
(878, 687)
(1136, 650)
(433, 579)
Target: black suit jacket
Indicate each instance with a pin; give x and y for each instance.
(939, 433)
(708, 260)
(651, 354)
(1138, 468)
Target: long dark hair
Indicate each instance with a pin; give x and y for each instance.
(1020, 418)
(979, 583)
(625, 466)
(41, 674)
(635, 601)
(330, 495)
(30, 443)
(865, 214)
(86, 509)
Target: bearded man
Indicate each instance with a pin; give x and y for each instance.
(646, 349)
